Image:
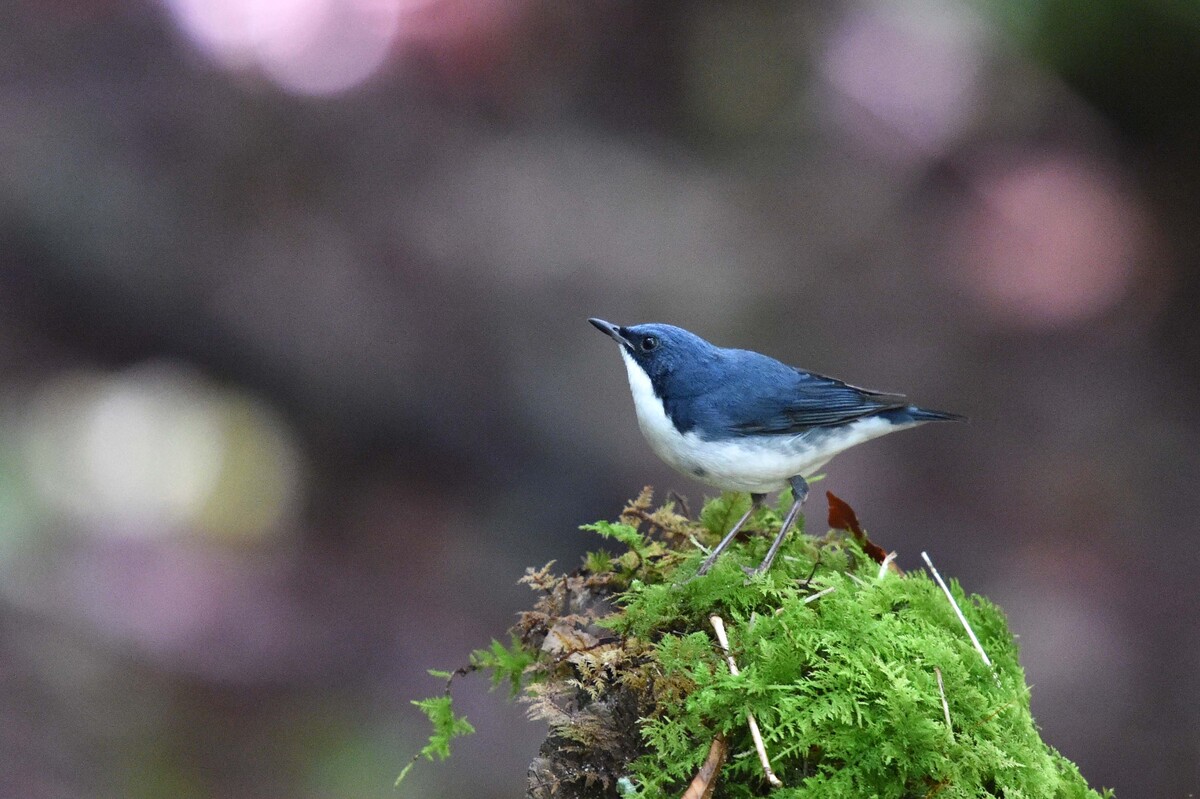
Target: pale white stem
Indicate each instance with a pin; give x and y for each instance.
(957, 610)
(820, 594)
(883, 567)
(719, 625)
(945, 704)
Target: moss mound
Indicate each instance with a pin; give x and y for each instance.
(863, 681)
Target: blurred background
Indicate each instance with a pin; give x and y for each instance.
(295, 377)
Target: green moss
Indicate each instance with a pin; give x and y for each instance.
(446, 727)
(620, 658)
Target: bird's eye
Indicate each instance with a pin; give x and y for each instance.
(649, 343)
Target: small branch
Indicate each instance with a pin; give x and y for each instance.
(681, 501)
(705, 781)
(945, 704)
(719, 625)
(883, 567)
(813, 573)
(957, 610)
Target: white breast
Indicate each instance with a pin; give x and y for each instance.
(759, 464)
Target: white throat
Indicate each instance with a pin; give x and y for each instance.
(658, 428)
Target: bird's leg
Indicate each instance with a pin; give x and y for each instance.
(755, 502)
(799, 494)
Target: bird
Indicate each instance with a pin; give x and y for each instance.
(739, 420)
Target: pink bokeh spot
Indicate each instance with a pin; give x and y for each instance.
(905, 77)
(1053, 242)
(312, 47)
(325, 47)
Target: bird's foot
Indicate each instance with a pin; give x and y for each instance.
(755, 572)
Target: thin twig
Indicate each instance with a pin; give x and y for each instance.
(957, 610)
(945, 704)
(994, 713)
(719, 625)
(676, 497)
(819, 594)
(811, 574)
(705, 781)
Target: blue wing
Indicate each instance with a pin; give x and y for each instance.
(771, 398)
(817, 401)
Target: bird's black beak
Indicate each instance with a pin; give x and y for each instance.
(608, 328)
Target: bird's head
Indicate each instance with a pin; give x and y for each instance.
(662, 351)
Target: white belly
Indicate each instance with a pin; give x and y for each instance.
(759, 464)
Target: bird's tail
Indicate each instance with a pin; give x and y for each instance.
(925, 415)
(911, 414)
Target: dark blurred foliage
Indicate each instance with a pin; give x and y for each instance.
(296, 377)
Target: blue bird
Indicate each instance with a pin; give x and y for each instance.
(741, 421)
